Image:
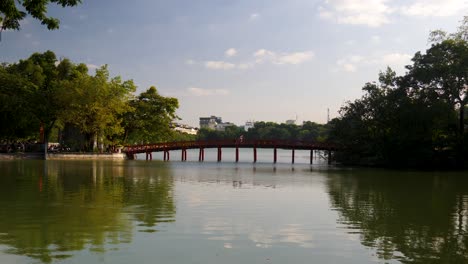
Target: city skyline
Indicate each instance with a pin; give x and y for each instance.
(243, 60)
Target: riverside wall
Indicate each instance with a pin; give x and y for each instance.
(64, 156)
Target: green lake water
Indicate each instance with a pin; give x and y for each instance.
(174, 212)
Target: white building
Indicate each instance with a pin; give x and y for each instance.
(249, 125)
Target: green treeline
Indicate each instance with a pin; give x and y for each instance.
(308, 131)
(415, 120)
(82, 111)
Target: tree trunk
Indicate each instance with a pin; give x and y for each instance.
(45, 148)
(462, 121)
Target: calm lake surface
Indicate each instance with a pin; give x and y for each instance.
(174, 212)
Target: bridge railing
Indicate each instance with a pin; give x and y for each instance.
(152, 147)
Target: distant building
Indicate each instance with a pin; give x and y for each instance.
(249, 125)
(184, 128)
(222, 126)
(210, 122)
(290, 122)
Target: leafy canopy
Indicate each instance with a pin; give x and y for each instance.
(13, 11)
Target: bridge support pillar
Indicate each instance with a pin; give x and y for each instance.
(292, 158)
(183, 155)
(219, 154)
(275, 155)
(329, 157)
(255, 154)
(237, 154)
(201, 154)
(311, 156)
(149, 156)
(166, 155)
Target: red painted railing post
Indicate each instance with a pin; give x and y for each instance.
(255, 153)
(292, 156)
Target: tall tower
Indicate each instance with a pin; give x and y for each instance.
(328, 115)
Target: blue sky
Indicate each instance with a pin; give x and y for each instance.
(265, 60)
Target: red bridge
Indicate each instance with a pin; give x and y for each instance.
(132, 150)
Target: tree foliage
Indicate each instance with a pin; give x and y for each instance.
(309, 131)
(150, 118)
(413, 120)
(95, 111)
(13, 11)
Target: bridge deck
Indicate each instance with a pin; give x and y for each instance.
(281, 144)
(132, 150)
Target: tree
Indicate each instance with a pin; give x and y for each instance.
(43, 89)
(15, 117)
(444, 68)
(150, 122)
(96, 104)
(393, 125)
(11, 15)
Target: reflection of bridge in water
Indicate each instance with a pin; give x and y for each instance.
(132, 150)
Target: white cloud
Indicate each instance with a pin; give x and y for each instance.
(206, 92)
(346, 65)
(375, 39)
(263, 55)
(190, 62)
(435, 8)
(254, 16)
(92, 66)
(259, 57)
(395, 60)
(375, 13)
(372, 13)
(295, 58)
(230, 52)
(349, 67)
(219, 65)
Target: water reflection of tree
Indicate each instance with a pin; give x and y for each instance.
(150, 189)
(47, 212)
(411, 217)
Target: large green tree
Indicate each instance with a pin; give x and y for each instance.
(393, 125)
(150, 121)
(444, 68)
(96, 105)
(39, 85)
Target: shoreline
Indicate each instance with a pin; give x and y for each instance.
(63, 156)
